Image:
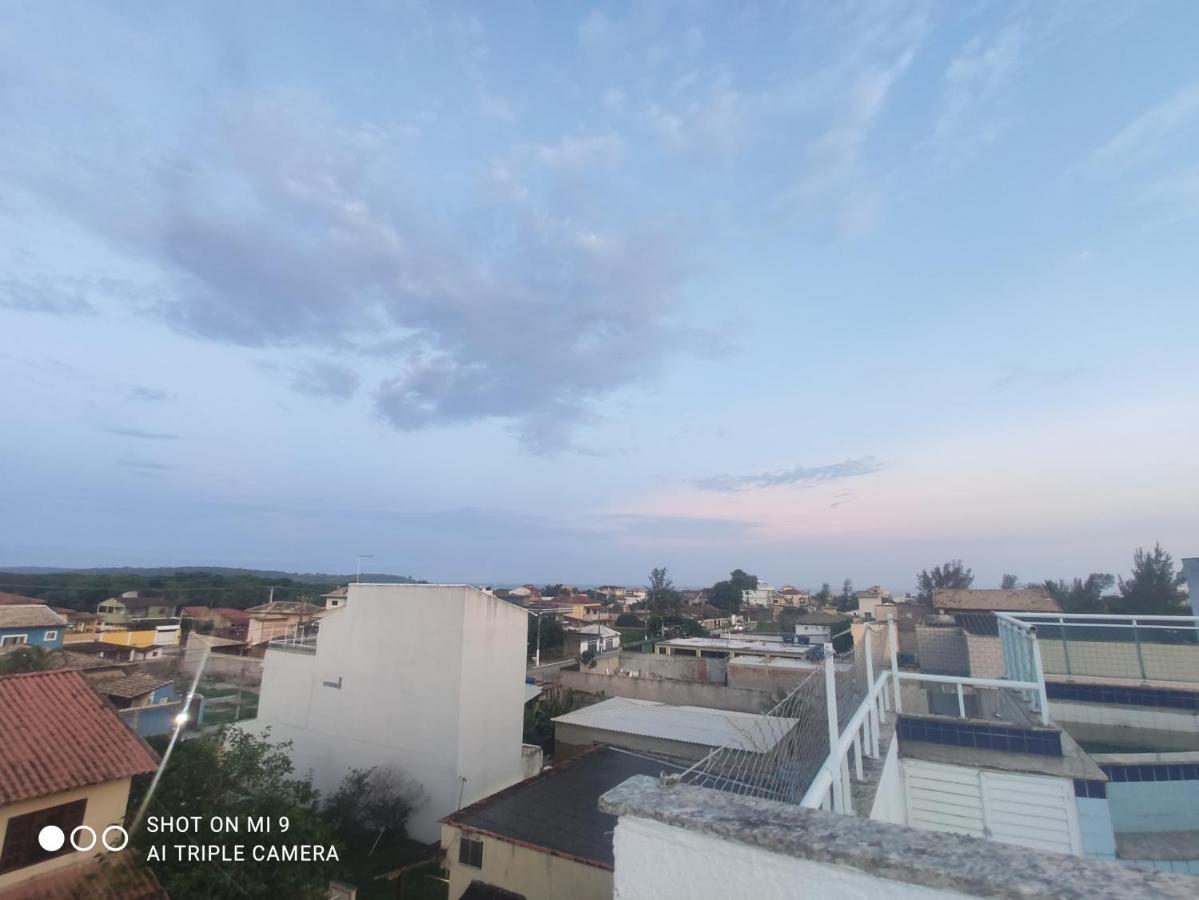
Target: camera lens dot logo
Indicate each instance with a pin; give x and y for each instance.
(51, 838)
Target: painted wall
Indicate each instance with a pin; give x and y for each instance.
(571, 740)
(651, 665)
(105, 806)
(659, 862)
(50, 637)
(428, 679)
(524, 871)
(1095, 826)
(769, 677)
(1154, 806)
(1136, 728)
(1111, 659)
(942, 649)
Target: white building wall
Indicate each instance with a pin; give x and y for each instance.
(889, 805)
(427, 679)
(659, 862)
(1095, 825)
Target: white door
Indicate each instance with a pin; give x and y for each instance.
(1029, 810)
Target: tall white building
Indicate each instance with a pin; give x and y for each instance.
(427, 679)
(762, 596)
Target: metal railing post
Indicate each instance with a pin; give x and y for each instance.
(894, 665)
(961, 702)
(834, 735)
(1136, 636)
(1039, 672)
(1061, 621)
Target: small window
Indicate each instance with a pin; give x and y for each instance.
(10, 640)
(470, 852)
(51, 636)
(21, 847)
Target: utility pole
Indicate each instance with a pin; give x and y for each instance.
(537, 654)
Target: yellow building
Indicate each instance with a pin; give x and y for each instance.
(67, 762)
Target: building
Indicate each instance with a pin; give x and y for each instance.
(35, 625)
(870, 599)
(729, 648)
(818, 627)
(426, 678)
(1033, 599)
(134, 691)
(591, 638)
(680, 732)
(163, 634)
(544, 837)
(133, 605)
(67, 761)
(336, 597)
(710, 618)
(7, 599)
(220, 620)
(763, 596)
(279, 618)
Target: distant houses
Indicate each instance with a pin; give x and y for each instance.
(32, 624)
(133, 605)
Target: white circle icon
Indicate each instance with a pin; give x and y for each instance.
(75, 832)
(121, 832)
(51, 838)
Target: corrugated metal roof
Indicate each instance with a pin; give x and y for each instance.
(32, 615)
(57, 733)
(687, 724)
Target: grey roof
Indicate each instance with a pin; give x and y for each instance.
(558, 810)
(142, 602)
(980, 623)
(285, 608)
(130, 686)
(816, 617)
(33, 615)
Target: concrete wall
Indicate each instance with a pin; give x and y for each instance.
(1117, 659)
(665, 690)
(523, 870)
(238, 669)
(1130, 728)
(653, 665)
(659, 862)
(1154, 806)
(774, 678)
(984, 655)
(1095, 826)
(942, 649)
(427, 679)
(105, 806)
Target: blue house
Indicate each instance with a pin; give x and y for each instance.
(34, 624)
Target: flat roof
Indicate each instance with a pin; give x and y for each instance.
(770, 648)
(785, 662)
(686, 724)
(558, 811)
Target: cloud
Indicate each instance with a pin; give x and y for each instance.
(973, 81)
(1177, 194)
(322, 378)
(1018, 376)
(144, 394)
(804, 475)
(581, 153)
(45, 295)
(1149, 134)
(145, 465)
(143, 435)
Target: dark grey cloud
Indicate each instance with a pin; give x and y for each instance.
(803, 475)
(145, 465)
(121, 431)
(522, 306)
(322, 378)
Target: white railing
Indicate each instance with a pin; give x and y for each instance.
(301, 637)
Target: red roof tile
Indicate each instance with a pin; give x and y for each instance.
(57, 733)
(100, 879)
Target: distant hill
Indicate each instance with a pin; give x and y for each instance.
(189, 585)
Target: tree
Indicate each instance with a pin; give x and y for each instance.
(660, 593)
(238, 775)
(553, 638)
(673, 626)
(29, 659)
(1008, 582)
(1154, 588)
(728, 595)
(847, 601)
(369, 813)
(628, 620)
(1082, 596)
(824, 596)
(950, 575)
(551, 590)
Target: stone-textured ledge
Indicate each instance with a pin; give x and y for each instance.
(930, 859)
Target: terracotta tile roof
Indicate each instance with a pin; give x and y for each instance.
(16, 599)
(285, 608)
(233, 615)
(193, 612)
(33, 615)
(130, 686)
(58, 733)
(100, 879)
(1001, 599)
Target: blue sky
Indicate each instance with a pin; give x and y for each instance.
(507, 292)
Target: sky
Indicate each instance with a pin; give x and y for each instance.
(565, 291)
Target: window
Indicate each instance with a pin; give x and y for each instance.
(10, 640)
(470, 852)
(21, 847)
(50, 636)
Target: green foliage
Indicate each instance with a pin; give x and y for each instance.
(551, 590)
(673, 626)
(727, 595)
(541, 712)
(950, 575)
(553, 638)
(369, 814)
(661, 596)
(1154, 587)
(1082, 596)
(847, 600)
(1008, 582)
(238, 775)
(29, 659)
(824, 596)
(628, 620)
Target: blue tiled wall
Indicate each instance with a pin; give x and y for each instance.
(1124, 696)
(1043, 742)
